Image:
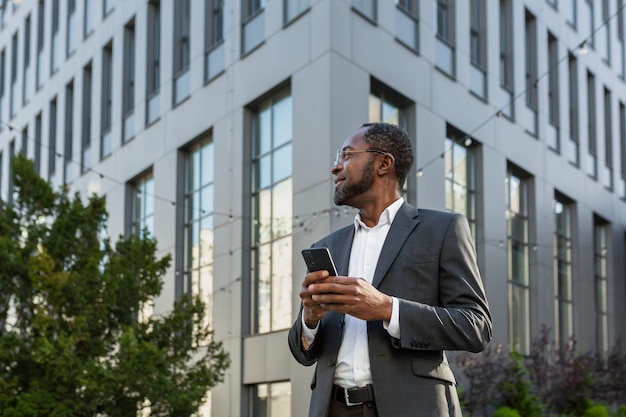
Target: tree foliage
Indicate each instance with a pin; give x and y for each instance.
(72, 340)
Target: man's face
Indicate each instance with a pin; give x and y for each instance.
(354, 175)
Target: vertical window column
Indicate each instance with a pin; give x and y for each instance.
(37, 155)
(272, 214)
(41, 18)
(605, 33)
(153, 64)
(563, 212)
(460, 175)
(531, 116)
(55, 47)
(601, 230)
(606, 175)
(271, 400)
(505, 95)
(71, 34)
(478, 48)
(445, 42)
(213, 39)
(619, 50)
(27, 79)
(128, 82)
(52, 139)
(3, 74)
(89, 17)
(573, 148)
(68, 152)
(622, 141)
(141, 221)
(517, 215)
(182, 22)
(294, 8)
(407, 23)
(592, 145)
(106, 134)
(85, 156)
(553, 136)
(13, 84)
(252, 25)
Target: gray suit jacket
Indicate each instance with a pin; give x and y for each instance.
(428, 262)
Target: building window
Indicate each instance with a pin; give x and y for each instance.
(272, 218)
(37, 156)
(460, 175)
(531, 119)
(213, 39)
(2, 85)
(27, 79)
(478, 48)
(11, 187)
(128, 91)
(55, 48)
(389, 106)
(52, 139)
(587, 27)
(41, 18)
(621, 58)
(271, 400)
(622, 141)
(517, 215)
(24, 147)
(1, 173)
(182, 20)
(89, 17)
(294, 8)
(85, 157)
(563, 212)
(601, 230)
(445, 39)
(253, 25)
(407, 23)
(573, 153)
(13, 92)
(198, 222)
(605, 33)
(71, 27)
(107, 7)
(106, 138)
(592, 155)
(68, 174)
(141, 222)
(366, 8)
(506, 59)
(569, 10)
(607, 172)
(153, 64)
(554, 113)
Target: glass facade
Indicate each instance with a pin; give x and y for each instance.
(518, 262)
(272, 194)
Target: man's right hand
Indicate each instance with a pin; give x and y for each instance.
(312, 311)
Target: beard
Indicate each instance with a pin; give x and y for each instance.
(349, 191)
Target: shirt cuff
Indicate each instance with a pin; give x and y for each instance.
(309, 334)
(393, 326)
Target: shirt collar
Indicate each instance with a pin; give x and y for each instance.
(386, 217)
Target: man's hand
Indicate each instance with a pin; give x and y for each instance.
(312, 311)
(353, 296)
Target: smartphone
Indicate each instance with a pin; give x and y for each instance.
(319, 259)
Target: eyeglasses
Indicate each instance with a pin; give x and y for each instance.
(345, 155)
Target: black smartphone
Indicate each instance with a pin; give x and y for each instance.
(319, 259)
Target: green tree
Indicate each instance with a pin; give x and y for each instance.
(71, 339)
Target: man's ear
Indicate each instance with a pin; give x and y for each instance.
(386, 164)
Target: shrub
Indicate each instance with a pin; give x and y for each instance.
(506, 412)
(597, 410)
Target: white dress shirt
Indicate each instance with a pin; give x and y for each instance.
(353, 362)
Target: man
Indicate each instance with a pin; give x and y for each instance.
(409, 288)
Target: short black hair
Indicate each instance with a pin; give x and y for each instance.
(393, 139)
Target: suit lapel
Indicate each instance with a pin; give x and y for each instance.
(403, 224)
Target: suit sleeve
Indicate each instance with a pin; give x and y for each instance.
(460, 318)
